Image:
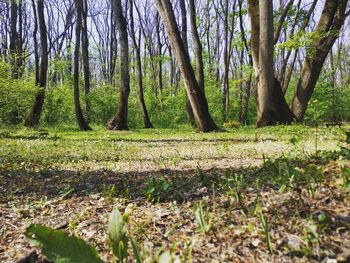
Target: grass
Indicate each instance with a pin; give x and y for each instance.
(263, 190)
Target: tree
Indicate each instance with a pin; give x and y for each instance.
(85, 53)
(120, 120)
(15, 41)
(327, 31)
(189, 110)
(146, 120)
(78, 111)
(33, 118)
(272, 107)
(195, 93)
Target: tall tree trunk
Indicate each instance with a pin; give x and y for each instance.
(195, 91)
(249, 83)
(197, 46)
(253, 9)
(146, 120)
(35, 41)
(33, 118)
(85, 53)
(225, 81)
(272, 107)
(328, 27)
(120, 120)
(78, 111)
(266, 68)
(189, 110)
(14, 40)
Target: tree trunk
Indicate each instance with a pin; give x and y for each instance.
(35, 41)
(189, 110)
(328, 27)
(146, 120)
(78, 111)
(266, 68)
(249, 83)
(195, 92)
(197, 46)
(14, 40)
(272, 107)
(160, 62)
(33, 118)
(85, 53)
(120, 121)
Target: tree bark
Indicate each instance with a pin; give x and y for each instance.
(266, 67)
(78, 111)
(14, 40)
(33, 118)
(146, 120)
(328, 27)
(189, 110)
(85, 53)
(244, 112)
(198, 101)
(120, 120)
(272, 107)
(35, 41)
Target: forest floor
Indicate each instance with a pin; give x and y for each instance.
(295, 178)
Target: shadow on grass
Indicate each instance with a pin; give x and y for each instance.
(161, 185)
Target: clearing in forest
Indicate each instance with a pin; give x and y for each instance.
(286, 185)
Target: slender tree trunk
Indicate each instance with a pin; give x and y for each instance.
(195, 92)
(85, 53)
(197, 46)
(189, 110)
(249, 82)
(78, 111)
(146, 120)
(14, 40)
(225, 81)
(329, 25)
(160, 62)
(36, 47)
(120, 121)
(33, 118)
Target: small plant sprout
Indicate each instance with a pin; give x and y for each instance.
(265, 225)
(202, 218)
(117, 235)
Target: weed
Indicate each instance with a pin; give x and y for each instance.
(156, 189)
(202, 218)
(265, 225)
(109, 191)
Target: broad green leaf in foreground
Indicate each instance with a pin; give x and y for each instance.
(59, 247)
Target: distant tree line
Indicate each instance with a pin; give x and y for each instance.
(271, 54)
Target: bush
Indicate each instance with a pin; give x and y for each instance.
(16, 97)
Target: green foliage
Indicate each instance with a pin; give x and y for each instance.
(59, 105)
(59, 247)
(136, 250)
(16, 97)
(345, 178)
(156, 189)
(202, 218)
(328, 102)
(265, 225)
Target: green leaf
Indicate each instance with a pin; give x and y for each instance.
(117, 235)
(136, 250)
(60, 247)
